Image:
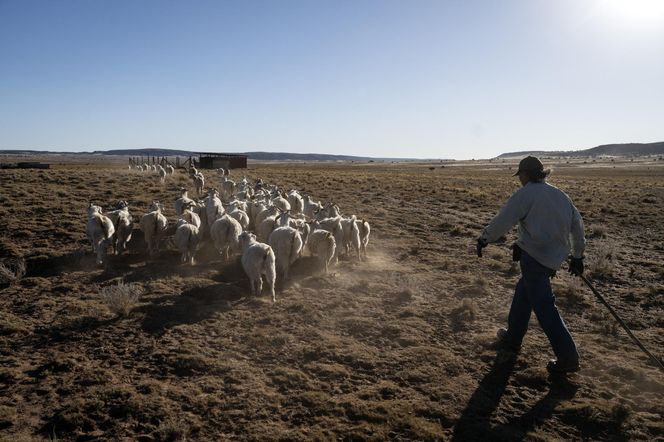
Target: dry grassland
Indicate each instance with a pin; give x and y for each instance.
(395, 348)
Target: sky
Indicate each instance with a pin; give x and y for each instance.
(409, 79)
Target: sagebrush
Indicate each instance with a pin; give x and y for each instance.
(120, 298)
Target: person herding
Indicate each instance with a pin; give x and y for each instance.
(549, 226)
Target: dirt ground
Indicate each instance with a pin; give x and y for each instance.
(397, 347)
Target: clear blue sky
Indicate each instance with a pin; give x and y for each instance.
(427, 79)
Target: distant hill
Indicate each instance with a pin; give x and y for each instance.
(258, 156)
(605, 149)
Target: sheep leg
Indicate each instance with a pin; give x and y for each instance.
(259, 286)
(100, 253)
(270, 278)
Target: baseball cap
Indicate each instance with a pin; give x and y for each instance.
(530, 164)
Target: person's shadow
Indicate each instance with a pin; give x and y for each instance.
(475, 421)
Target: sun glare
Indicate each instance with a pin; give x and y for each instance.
(633, 13)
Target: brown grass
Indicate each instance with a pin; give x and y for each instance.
(391, 348)
(120, 298)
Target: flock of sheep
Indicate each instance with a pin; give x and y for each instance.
(271, 229)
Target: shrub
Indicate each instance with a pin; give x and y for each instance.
(571, 291)
(596, 231)
(120, 298)
(464, 313)
(604, 261)
(11, 270)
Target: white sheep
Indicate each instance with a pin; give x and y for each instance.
(100, 230)
(305, 229)
(170, 170)
(365, 229)
(225, 233)
(186, 240)
(286, 242)
(266, 227)
(329, 211)
(237, 204)
(182, 202)
(162, 173)
(241, 217)
(310, 207)
(199, 183)
(296, 202)
(153, 225)
(321, 243)
(270, 211)
(190, 216)
(227, 188)
(282, 203)
(333, 225)
(254, 208)
(198, 207)
(213, 207)
(351, 236)
(124, 226)
(244, 194)
(257, 261)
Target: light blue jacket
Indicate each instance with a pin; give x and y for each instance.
(549, 225)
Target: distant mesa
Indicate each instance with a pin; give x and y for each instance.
(257, 156)
(617, 150)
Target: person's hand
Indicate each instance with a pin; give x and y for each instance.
(576, 266)
(481, 243)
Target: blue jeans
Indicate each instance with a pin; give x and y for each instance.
(533, 293)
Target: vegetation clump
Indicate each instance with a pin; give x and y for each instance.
(120, 298)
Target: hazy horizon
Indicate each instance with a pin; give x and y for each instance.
(432, 79)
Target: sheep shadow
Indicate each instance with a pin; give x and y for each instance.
(230, 271)
(76, 329)
(189, 307)
(306, 266)
(47, 266)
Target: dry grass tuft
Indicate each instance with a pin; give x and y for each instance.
(12, 270)
(604, 261)
(570, 291)
(464, 314)
(621, 413)
(596, 231)
(120, 298)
